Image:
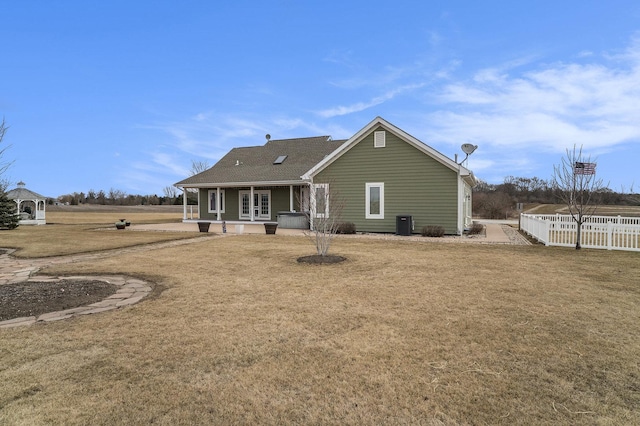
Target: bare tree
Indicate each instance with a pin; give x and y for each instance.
(4, 184)
(575, 184)
(198, 167)
(116, 196)
(170, 193)
(324, 215)
(4, 165)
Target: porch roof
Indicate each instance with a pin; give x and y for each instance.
(257, 164)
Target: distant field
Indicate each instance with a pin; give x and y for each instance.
(601, 211)
(96, 214)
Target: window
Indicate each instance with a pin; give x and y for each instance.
(374, 201)
(245, 205)
(320, 200)
(280, 159)
(379, 139)
(214, 202)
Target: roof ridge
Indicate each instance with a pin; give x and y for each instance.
(306, 137)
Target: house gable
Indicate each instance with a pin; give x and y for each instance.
(382, 125)
(415, 182)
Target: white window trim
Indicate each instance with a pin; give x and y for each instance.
(379, 139)
(212, 193)
(367, 202)
(313, 200)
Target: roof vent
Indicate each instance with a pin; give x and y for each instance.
(280, 159)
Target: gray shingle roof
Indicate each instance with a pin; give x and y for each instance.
(22, 193)
(255, 164)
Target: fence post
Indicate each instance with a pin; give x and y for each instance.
(609, 235)
(546, 231)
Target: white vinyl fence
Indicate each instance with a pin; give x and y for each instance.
(602, 232)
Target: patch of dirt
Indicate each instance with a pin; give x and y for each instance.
(321, 260)
(36, 298)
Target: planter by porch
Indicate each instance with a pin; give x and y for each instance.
(204, 226)
(270, 228)
(120, 225)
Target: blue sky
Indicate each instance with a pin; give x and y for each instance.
(125, 94)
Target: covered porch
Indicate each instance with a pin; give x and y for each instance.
(246, 204)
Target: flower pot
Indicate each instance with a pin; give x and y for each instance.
(204, 226)
(270, 228)
(120, 225)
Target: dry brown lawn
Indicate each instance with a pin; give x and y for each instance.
(73, 231)
(401, 333)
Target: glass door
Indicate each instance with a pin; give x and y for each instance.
(261, 205)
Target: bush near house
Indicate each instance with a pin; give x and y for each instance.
(432, 231)
(346, 228)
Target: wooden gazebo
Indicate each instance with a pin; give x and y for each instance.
(30, 206)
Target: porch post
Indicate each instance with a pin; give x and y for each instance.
(252, 206)
(218, 203)
(290, 198)
(184, 203)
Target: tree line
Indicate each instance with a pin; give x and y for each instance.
(498, 201)
(116, 197)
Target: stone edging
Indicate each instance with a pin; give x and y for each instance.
(131, 291)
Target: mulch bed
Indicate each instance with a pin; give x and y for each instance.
(321, 260)
(36, 298)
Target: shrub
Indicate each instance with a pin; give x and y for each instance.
(432, 231)
(346, 228)
(476, 228)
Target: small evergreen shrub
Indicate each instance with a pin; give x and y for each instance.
(346, 228)
(432, 231)
(8, 217)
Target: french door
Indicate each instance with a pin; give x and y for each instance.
(261, 204)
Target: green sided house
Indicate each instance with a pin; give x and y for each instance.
(382, 175)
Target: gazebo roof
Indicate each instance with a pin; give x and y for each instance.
(22, 193)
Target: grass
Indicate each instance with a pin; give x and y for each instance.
(401, 333)
(70, 232)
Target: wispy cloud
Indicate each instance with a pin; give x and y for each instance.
(596, 105)
(361, 106)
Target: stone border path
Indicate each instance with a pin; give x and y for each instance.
(131, 291)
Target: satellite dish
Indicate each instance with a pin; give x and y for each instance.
(468, 148)
(268, 136)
